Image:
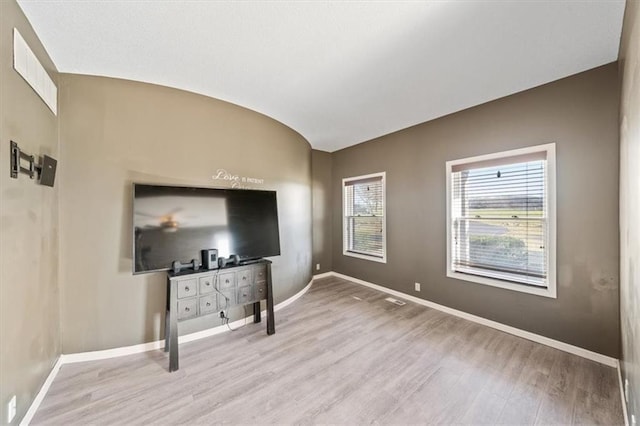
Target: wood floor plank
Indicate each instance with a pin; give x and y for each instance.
(526, 396)
(342, 354)
(594, 401)
(558, 402)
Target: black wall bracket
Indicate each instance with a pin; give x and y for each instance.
(16, 162)
(45, 171)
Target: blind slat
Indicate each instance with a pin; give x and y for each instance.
(510, 161)
(363, 216)
(499, 219)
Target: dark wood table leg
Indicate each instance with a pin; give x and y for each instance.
(167, 318)
(256, 312)
(167, 327)
(271, 322)
(173, 331)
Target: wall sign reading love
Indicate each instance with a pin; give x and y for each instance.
(236, 181)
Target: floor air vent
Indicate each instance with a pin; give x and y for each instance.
(395, 301)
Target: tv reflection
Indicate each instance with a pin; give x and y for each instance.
(169, 228)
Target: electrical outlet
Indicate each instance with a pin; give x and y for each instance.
(417, 286)
(317, 266)
(11, 409)
(626, 390)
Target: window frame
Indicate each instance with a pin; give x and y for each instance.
(364, 256)
(550, 185)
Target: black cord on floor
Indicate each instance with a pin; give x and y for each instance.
(226, 318)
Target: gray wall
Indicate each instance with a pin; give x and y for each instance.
(579, 114)
(322, 211)
(115, 132)
(29, 297)
(630, 204)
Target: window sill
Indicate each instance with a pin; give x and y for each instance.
(366, 257)
(522, 288)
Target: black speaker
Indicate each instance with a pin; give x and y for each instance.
(209, 258)
(48, 171)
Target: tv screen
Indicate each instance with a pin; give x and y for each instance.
(174, 223)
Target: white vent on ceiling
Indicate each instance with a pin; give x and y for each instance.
(28, 66)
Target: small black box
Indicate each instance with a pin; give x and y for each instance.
(48, 171)
(209, 258)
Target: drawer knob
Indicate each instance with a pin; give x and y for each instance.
(187, 309)
(244, 295)
(260, 290)
(227, 281)
(208, 303)
(186, 288)
(244, 278)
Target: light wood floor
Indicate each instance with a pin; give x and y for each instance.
(341, 354)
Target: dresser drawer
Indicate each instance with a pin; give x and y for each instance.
(206, 285)
(208, 304)
(244, 277)
(222, 299)
(261, 291)
(260, 273)
(227, 280)
(187, 308)
(187, 288)
(245, 294)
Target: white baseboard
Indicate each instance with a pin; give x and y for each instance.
(111, 353)
(584, 353)
(293, 298)
(325, 275)
(622, 396)
(41, 393)
(136, 349)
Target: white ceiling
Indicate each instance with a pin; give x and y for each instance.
(339, 73)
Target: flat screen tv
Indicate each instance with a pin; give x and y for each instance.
(176, 222)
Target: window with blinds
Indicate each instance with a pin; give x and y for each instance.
(501, 229)
(364, 232)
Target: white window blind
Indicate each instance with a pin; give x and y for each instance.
(499, 218)
(364, 221)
